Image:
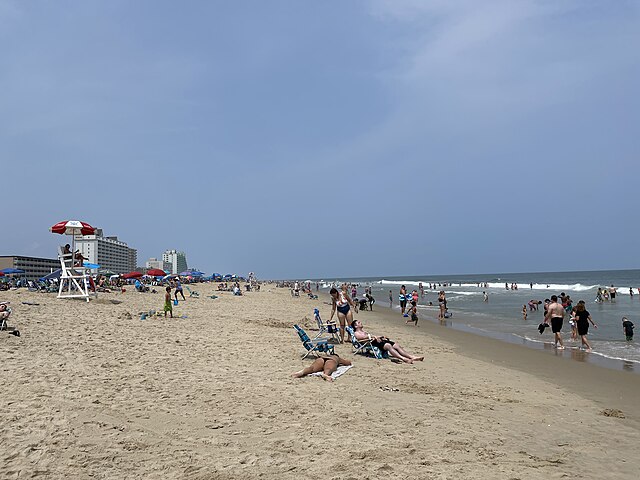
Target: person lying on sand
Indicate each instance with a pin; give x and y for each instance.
(326, 364)
(384, 343)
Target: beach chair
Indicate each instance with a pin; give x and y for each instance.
(192, 293)
(329, 327)
(317, 346)
(364, 346)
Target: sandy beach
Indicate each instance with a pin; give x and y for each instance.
(89, 390)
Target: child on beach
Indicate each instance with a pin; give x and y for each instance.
(167, 303)
(524, 312)
(413, 311)
(627, 327)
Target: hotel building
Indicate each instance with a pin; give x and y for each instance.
(108, 252)
(176, 260)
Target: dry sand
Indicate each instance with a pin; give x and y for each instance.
(91, 391)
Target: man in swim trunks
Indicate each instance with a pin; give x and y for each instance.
(555, 313)
(612, 292)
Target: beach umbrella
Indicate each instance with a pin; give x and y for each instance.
(91, 266)
(11, 271)
(1, 274)
(73, 228)
(132, 275)
(107, 273)
(156, 272)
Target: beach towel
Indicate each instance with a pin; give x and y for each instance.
(339, 371)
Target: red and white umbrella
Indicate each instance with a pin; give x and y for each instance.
(73, 227)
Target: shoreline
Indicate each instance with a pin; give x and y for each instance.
(590, 380)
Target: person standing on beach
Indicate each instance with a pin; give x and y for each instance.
(403, 299)
(167, 303)
(485, 297)
(612, 293)
(583, 317)
(555, 313)
(524, 312)
(390, 299)
(442, 300)
(341, 301)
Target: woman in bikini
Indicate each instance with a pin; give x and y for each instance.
(327, 364)
(341, 301)
(383, 343)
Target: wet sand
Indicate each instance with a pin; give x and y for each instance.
(91, 391)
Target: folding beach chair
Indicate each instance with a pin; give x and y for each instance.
(364, 346)
(192, 293)
(330, 327)
(320, 345)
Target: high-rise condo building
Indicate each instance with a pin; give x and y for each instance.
(177, 260)
(108, 252)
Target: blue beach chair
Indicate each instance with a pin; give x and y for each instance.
(365, 347)
(329, 327)
(317, 346)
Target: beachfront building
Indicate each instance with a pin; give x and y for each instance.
(34, 267)
(159, 264)
(108, 252)
(176, 260)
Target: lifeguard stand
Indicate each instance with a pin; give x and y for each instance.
(74, 280)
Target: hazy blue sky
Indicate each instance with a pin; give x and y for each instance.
(325, 139)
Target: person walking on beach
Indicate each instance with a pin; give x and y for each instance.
(555, 313)
(179, 289)
(627, 328)
(167, 303)
(341, 301)
(583, 317)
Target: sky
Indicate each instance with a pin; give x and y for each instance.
(301, 139)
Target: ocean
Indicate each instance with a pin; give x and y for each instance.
(501, 317)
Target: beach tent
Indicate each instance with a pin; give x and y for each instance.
(53, 275)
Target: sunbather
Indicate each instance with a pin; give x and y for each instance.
(326, 364)
(384, 343)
